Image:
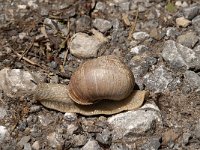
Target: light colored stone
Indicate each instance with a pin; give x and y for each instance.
(131, 123)
(84, 46)
(70, 116)
(16, 81)
(140, 35)
(24, 140)
(36, 145)
(91, 145)
(182, 22)
(179, 56)
(138, 49)
(188, 39)
(53, 140)
(191, 11)
(193, 79)
(3, 133)
(102, 24)
(22, 35)
(3, 112)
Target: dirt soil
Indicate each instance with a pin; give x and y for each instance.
(180, 110)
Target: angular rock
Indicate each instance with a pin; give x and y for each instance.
(140, 35)
(36, 145)
(193, 79)
(91, 145)
(196, 23)
(138, 49)
(159, 80)
(197, 130)
(16, 81)
(188, 39)
(70, 116)
(191, 12)
(45, 120)
(79, 140)
(84, 46)
(3, 133)
(24, 140)
(125, 6)
(179, 56)
(182, 22)
(186, 138)
(105, 137)
(152, 144)
(54, 140)
(134, 123)
(102, 24)
(121, 146)
(3, 112)
(100, 6)
(83, 24)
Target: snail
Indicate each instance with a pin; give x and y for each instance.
(103, 85)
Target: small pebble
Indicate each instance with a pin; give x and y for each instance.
(91, 145)
(182, 22)
(102, 24)
(140, 35)
(70, 116)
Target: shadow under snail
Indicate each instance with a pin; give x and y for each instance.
(103, 85)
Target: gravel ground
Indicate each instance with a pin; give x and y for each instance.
(46, 40)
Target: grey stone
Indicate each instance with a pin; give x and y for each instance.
(100, 6)
(22, 125)
(54, 79)
(70, 116)
(125, 6)
(152, 144)
(140, 68)
(191, 12)
(79, 140)
(193, 79)
(24, 140)
(62, 27)
(196, 23)
(22, 35)
(27, 146)
(102, 24)
(105, 137)
(84, 46)
(91, 145)
(138, 49)
(35, 109)
(53, 65)
(3, 112)
(179, 56)
(186, 138)
(197, 130)
(120, 146)
(140, 35)
(171, 32)
(188, 39)
(134, 123)
(158, 80)
(16, 81)
(3, 133)
(72, 128)
(36, 145)
(45, 120)
(83, 24)
(54, 140)
(151, 60)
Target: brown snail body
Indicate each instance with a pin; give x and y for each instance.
(99, 86)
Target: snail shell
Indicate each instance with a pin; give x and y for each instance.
(103, 78)
(106, 80)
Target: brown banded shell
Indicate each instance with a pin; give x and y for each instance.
(106, 77)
